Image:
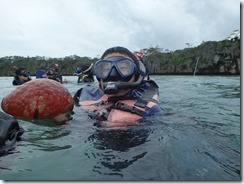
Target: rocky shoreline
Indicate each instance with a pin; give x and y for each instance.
(214, 58)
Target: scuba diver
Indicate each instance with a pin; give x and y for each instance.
(86, 75)
(21, 76)
(10, 132)
(53, 73)
(125, 94)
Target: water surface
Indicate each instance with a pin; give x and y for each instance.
(197, 139)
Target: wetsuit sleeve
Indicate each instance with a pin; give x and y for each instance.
(88, 93)
(15, 83)
(18, 81)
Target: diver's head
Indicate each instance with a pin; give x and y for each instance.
(50, 73)
(118, 69)
(22, 73)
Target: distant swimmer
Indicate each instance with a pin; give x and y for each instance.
(84, 73)
(52, 74)
(21, 76)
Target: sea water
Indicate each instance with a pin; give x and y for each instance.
(197, 139)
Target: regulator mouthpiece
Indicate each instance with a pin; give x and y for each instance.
(111, 88)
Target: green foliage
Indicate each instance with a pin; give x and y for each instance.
(157, 59)
(66, 65)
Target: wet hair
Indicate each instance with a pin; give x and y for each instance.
(19, 71)
(123, 50)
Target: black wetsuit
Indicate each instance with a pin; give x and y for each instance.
(10, 132)
(18, 81)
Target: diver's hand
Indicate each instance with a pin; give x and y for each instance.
(109, 124)
(62, 118)
(122, 118)
(100, 115)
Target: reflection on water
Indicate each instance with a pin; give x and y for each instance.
(112, 145)
(45, 138)
(118, 139)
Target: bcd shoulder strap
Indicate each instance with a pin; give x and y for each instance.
(148, 95)
(127, 108)
(140, 102)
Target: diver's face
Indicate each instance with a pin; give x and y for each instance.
(125, 68)
(22, 77)
(122, 91)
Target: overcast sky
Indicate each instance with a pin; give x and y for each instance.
(59, 28)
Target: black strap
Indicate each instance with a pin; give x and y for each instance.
(114, 99)
(76, 97)
(141, 102)
(127, 108)
(148, 95)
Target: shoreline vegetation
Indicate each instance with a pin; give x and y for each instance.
(214, 58)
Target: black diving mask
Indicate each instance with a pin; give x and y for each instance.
(115, 72)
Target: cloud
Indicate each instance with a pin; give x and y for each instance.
(58, 28)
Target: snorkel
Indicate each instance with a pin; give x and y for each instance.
(112, 87)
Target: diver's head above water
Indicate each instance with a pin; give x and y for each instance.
(119, 70)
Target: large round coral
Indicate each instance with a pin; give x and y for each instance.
(38, 99)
